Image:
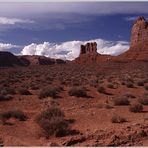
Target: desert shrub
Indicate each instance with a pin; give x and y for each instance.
(50, 92)
(8, 90)
(23, 91)
(78, 92)
(129, 84)
(146, 87)
(108, 106)
(52, 122)
(129, 95)
(118, 119)
(18, 114)
(140, 83)
(59, 88)
(5, 97)
(136, 107)
(110, 85)
(123, 83)
(143, 101)
(101, 89)
(121, 101)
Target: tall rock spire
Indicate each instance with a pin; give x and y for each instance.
(139, 33)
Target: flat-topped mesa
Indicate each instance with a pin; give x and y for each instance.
(89, 48)
(139, 33)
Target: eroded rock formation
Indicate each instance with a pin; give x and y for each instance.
(139, 33)
(88, 54)
(89, 48)
(139, 41)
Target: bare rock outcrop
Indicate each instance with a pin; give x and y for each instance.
(7, 59)
(88, 54)
(139, 33)
(89, 48)
(139, 42)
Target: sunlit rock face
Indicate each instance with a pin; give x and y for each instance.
(139, 33)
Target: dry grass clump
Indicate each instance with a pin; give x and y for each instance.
(110, 85)
(121, 101)
(146, 87)
(101, 89)
(143, 100)
(140, 83)
(50, 92)
(17, 114)
(52, 122)
(24, 91)
(136, 107)
(78, 92)
(5, 97)
(118, 119)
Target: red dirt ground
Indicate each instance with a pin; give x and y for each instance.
(90, 117)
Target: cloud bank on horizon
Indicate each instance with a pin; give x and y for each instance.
(71, 49)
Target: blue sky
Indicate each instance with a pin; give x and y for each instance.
(43, 28)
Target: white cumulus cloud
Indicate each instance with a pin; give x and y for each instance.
(12, 21)
(6, 46)
(70, 50)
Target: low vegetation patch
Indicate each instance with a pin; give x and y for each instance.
(130, 85)
(8, 90)
(121, 101)
(146, 87)
(110, 85)
(17, 114)
(23, 91)
(143, 100)
(136, 107)
(78, 92)
(118, 119)
(101, 89)
(140, 83)
(52, 122)
(5, 97)
(50, 92)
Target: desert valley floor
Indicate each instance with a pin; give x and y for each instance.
(105, 104)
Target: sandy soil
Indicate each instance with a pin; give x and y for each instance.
(90, 116)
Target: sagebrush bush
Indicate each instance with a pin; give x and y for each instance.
(24, 91)
(101, 89)
(146, 87)
(143, 100)
(136, 107)
(8, 90)
(118, 119)
(121, 101)
(78, 92)
(52, 122)
(18, 114)
(5, 97)
(140, 83)
(129, 84)
(50, 92)
(110, 85)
